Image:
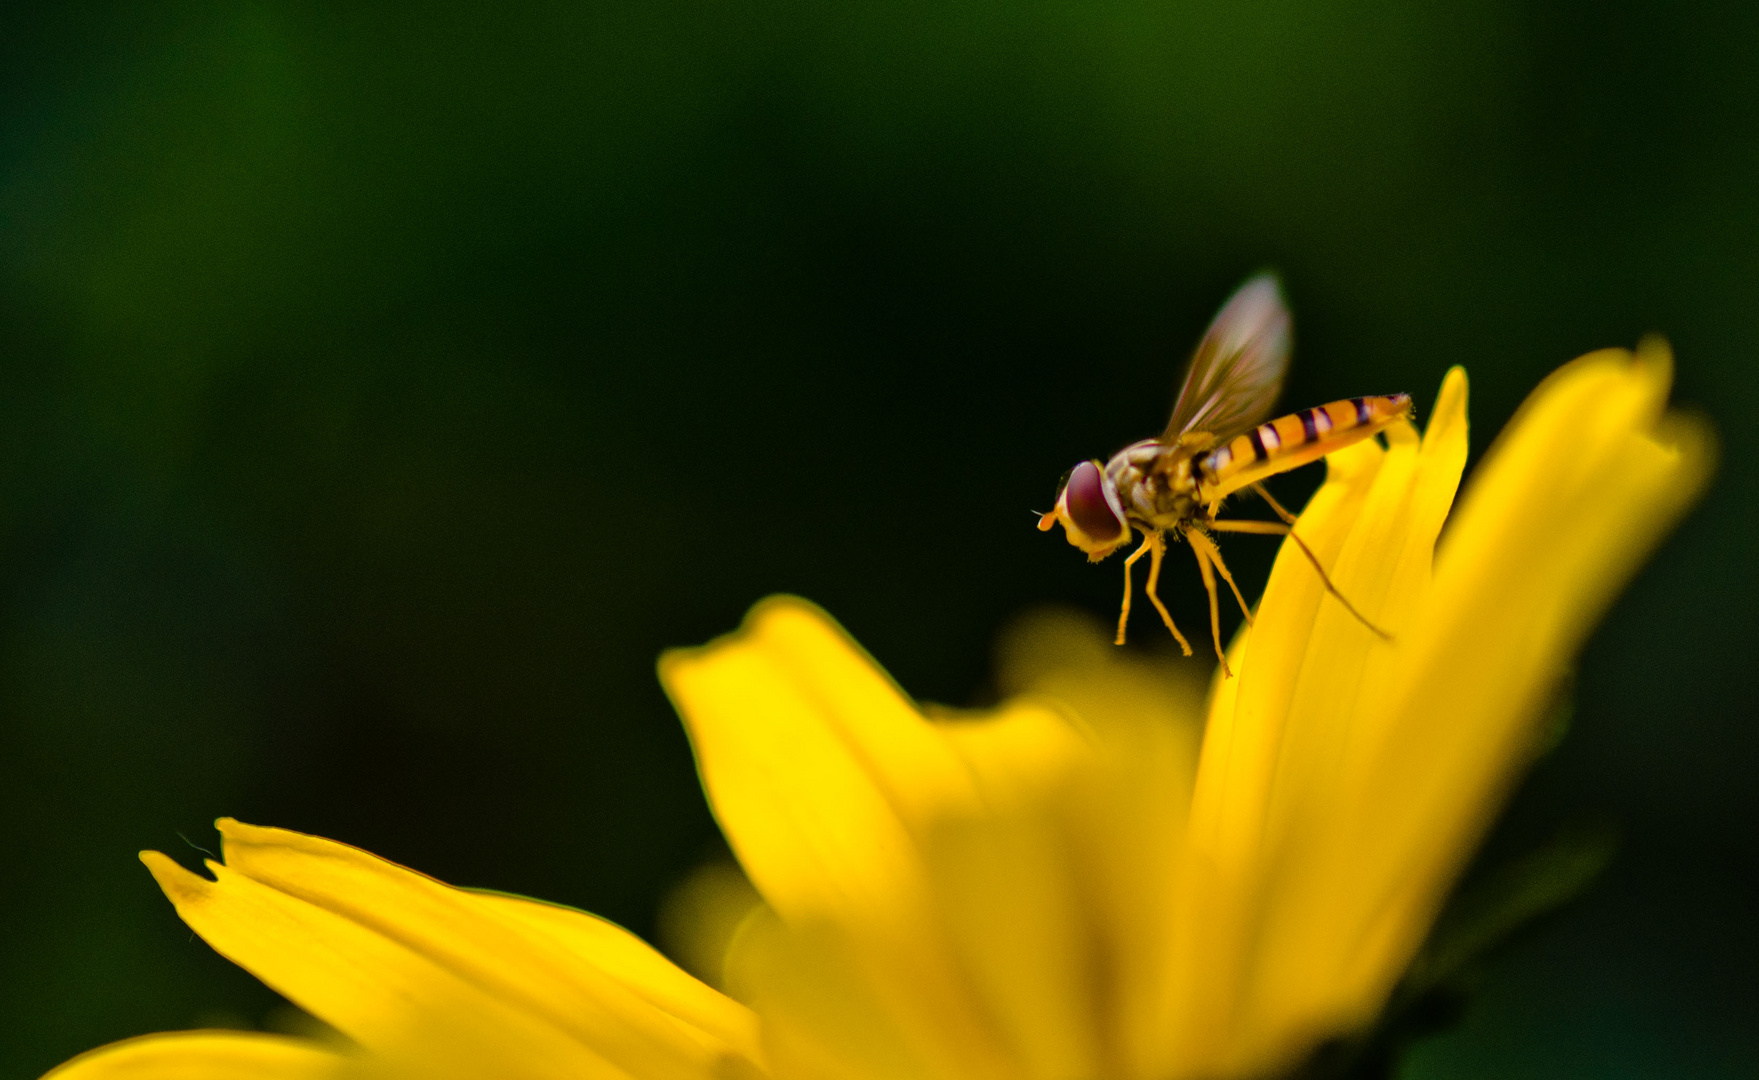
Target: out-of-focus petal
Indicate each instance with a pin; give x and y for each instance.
(701, 915)
(826, 1018)
(827, 782)
(821, 772)
(1123, 810)
(1006, 884)
(204, 1055)
(1013, 836)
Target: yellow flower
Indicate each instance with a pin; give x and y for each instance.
(1028, 898)
(1067, 888)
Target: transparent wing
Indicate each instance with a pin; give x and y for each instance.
(1238, 367)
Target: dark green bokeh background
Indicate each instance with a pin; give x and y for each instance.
(383, 385)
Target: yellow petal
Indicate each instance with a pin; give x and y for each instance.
(1218, 906)
(1588, 478)
(942, 864)
(589, 943)
(1016, 990)
(1277, 733)
(1124, 813)
(396, 960)
(1385, 569)
(1555, 520)
(1240, 744)
(821, 772)
(827, 781)
(1006, 885)
(203, 1055)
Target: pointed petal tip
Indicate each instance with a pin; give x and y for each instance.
(1265, 281)
(234, 833)
(1654, 352)
(231, 828)
(1448, 419)
(1454, 382)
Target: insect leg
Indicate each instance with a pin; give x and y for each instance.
(1272, 528)
(1215, 613)
(1214, 555)
(1124, 615)
(1264, 493)
(1158, 550)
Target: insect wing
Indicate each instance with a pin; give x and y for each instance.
(1238, 367)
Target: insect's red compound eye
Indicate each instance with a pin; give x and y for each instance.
(1084, 500)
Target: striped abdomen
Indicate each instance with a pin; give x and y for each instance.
(1294, 440)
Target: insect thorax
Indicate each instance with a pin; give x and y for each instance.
(1157, 482)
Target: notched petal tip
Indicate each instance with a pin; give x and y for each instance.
(763, 614)
(786, 606)
(179, 884)
(1654, 357)
(1648, 369)
(1692, 439)
(1685, 432)
(789, 629)
(233, 831)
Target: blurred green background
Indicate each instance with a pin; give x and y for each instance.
(383, 385)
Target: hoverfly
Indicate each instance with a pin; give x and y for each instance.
(1215, 445)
